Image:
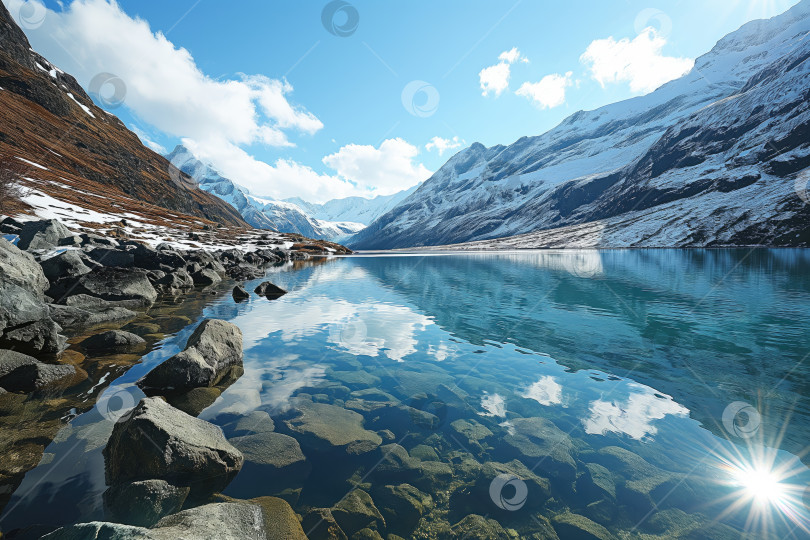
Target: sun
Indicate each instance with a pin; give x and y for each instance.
(763, 486)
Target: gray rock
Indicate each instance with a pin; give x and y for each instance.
(113, 341)
(89, 239)
(570, 525)
(273, 462)
(157, 441)
(213, 348)
(20, 268)
(76, 318)
(128, 287)
(176, 281)
(206, 276)
(536, 440)
(143, 503)
(240, 294)
(67, 264)
(38, 337)
(326, 428)
(269, 290)
(19, 306)
(22, 373)
(220, 521)
(112, 257)
(44, 234)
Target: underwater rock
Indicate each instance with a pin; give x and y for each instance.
(570, 525)
(272, 460)
(480, 528)
(357, 511)
(320, 524)
(157, 441)
(113, 341)
(537, 440)
(326, 428)
(402, 506)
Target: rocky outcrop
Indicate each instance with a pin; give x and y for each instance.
(213, 348)
(157, 441)
(43, 235)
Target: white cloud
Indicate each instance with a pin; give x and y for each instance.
(166, 90)
(639, 62)
(384, 170)
(442, 145)
(549, 92)
(495, 79)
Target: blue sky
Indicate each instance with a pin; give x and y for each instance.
(336, 122)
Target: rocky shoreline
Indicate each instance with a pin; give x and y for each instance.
(55, 285)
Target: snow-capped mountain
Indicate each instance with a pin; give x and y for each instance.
(259, 212)
(355, 209)
(713, 158)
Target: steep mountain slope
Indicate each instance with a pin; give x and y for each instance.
(709, 159)
(355, 209)
(259, 212)
(64, 147)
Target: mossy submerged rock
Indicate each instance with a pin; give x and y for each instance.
(320, 524)
(357, 511)
(538, 441)
(325, 428)
(479, 527)
(157, 441)
(273, 462)
(578, 527)
(402, 506)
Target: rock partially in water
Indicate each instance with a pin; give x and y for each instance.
(325, 428)
(570, 525)
(25, 323)
(269, 290)
(240, 294)
(157, 441)
(213, 348)
(320, 524)
(540, 444)
(357, 511)
(480, 528)
(38, 337)
(143, 503)
(280, 521)
(206, 276)
(75, 318)
(129, 287)
(113, 341)
(22, 373)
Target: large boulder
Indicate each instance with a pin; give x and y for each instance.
(213, 348)
(112, 257)
(22, 373)
(157, 441)
(127, 287)
(357, 511)
(45, 234)
(25, 323)
(75, 317)
(273, 461)
(68, 264)
(269, 290)
(20, 268)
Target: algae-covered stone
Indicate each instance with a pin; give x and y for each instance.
(320, 524)
(596, 482)
(280, 521)
(394, 463)
(270, 458)
(423, 452)
(540, 444)
(357, 511)
(578, 527)
(480, 528)
(402, 506)
(493, 474)
(326, 428)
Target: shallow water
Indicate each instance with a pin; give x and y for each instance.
(683, 374)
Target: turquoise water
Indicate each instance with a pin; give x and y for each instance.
(671, 388)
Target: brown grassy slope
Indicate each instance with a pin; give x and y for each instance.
(99, 156)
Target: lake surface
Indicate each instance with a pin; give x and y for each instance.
(638, 393)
